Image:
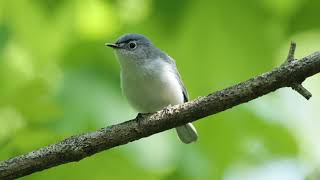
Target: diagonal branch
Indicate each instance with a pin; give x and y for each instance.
(81, 146)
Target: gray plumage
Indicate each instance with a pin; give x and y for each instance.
(133, 37)
(150, 79)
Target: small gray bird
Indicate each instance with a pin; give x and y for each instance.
(150, 79)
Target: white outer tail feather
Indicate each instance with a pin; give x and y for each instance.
(187, 133)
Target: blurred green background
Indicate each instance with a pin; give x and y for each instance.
(57, 79)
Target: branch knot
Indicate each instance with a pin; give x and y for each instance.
(297, 86)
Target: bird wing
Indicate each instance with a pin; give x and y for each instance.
(184, 90)
(177, 74)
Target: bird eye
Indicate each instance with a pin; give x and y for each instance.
(132, 45)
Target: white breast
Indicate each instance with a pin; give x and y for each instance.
(151, 87)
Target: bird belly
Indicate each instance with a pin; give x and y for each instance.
(150, 92)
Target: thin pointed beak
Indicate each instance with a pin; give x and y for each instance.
(112, 45)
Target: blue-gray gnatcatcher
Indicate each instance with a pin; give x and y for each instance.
(150, 79)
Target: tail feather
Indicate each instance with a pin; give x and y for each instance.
(187, 133)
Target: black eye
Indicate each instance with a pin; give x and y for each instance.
(132, 45)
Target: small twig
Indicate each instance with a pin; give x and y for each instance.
(291, 53)
(301, 90)
(296, 86)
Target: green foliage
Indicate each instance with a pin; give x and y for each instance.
(57, 79)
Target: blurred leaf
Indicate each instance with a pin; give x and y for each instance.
(304, 19)
(4, 36)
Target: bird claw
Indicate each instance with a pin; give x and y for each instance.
(142, 115)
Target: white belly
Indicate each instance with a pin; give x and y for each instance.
(151, 90)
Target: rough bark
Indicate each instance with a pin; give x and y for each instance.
(291, 74)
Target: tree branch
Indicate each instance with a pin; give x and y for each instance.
(295, 85)
(78, 147)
